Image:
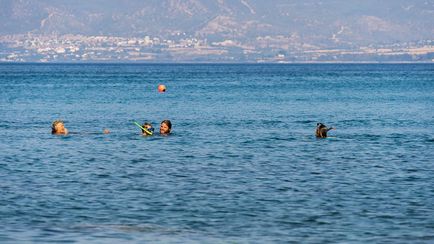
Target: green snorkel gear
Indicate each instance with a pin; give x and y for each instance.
(147, 131)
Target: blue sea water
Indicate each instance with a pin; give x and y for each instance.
(242, 165)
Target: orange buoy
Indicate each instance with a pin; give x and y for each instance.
(161, 88)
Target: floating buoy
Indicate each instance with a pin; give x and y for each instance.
(161, 88)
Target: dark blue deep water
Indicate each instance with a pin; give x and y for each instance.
(242, 165)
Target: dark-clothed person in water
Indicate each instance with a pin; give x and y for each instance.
(321, 130)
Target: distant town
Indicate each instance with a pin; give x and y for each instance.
(181, 48)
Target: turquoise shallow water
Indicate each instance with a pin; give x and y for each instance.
(242, 166)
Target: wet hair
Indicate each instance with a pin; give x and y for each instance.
(145, 125)
(168, 123)
(53, 125)
(321, 130)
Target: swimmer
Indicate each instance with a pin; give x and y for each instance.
(147, 129)
(321, 130)
(58, 128)
(165, 127)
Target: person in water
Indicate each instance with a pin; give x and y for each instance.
(58, 128)
(147, 129)
(321, 130)
(165, 127)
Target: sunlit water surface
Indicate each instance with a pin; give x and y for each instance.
(242, 164)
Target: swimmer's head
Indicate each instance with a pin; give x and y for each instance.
(147, 129)
(58, 128)
(165, 127)
(320, 125)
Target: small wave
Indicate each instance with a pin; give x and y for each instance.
(301, 99)
(272, 122)
(358, 122)
(282, 138)
(306, 122)
(5, 126)
(370, 136)
(143, 228)
(396, 135)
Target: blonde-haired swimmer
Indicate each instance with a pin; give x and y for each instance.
(58, 128)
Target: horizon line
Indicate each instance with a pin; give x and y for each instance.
(247, 63)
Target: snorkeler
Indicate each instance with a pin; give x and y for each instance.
(58, 128)
(321, 130)
(147, 129)
(165, 127)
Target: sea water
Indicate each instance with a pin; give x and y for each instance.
(241, 166)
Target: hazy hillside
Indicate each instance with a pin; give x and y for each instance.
(332, 22)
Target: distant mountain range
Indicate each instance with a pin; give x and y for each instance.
(244, 25)
(331, 22)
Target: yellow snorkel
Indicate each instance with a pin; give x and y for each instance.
(144, 129)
